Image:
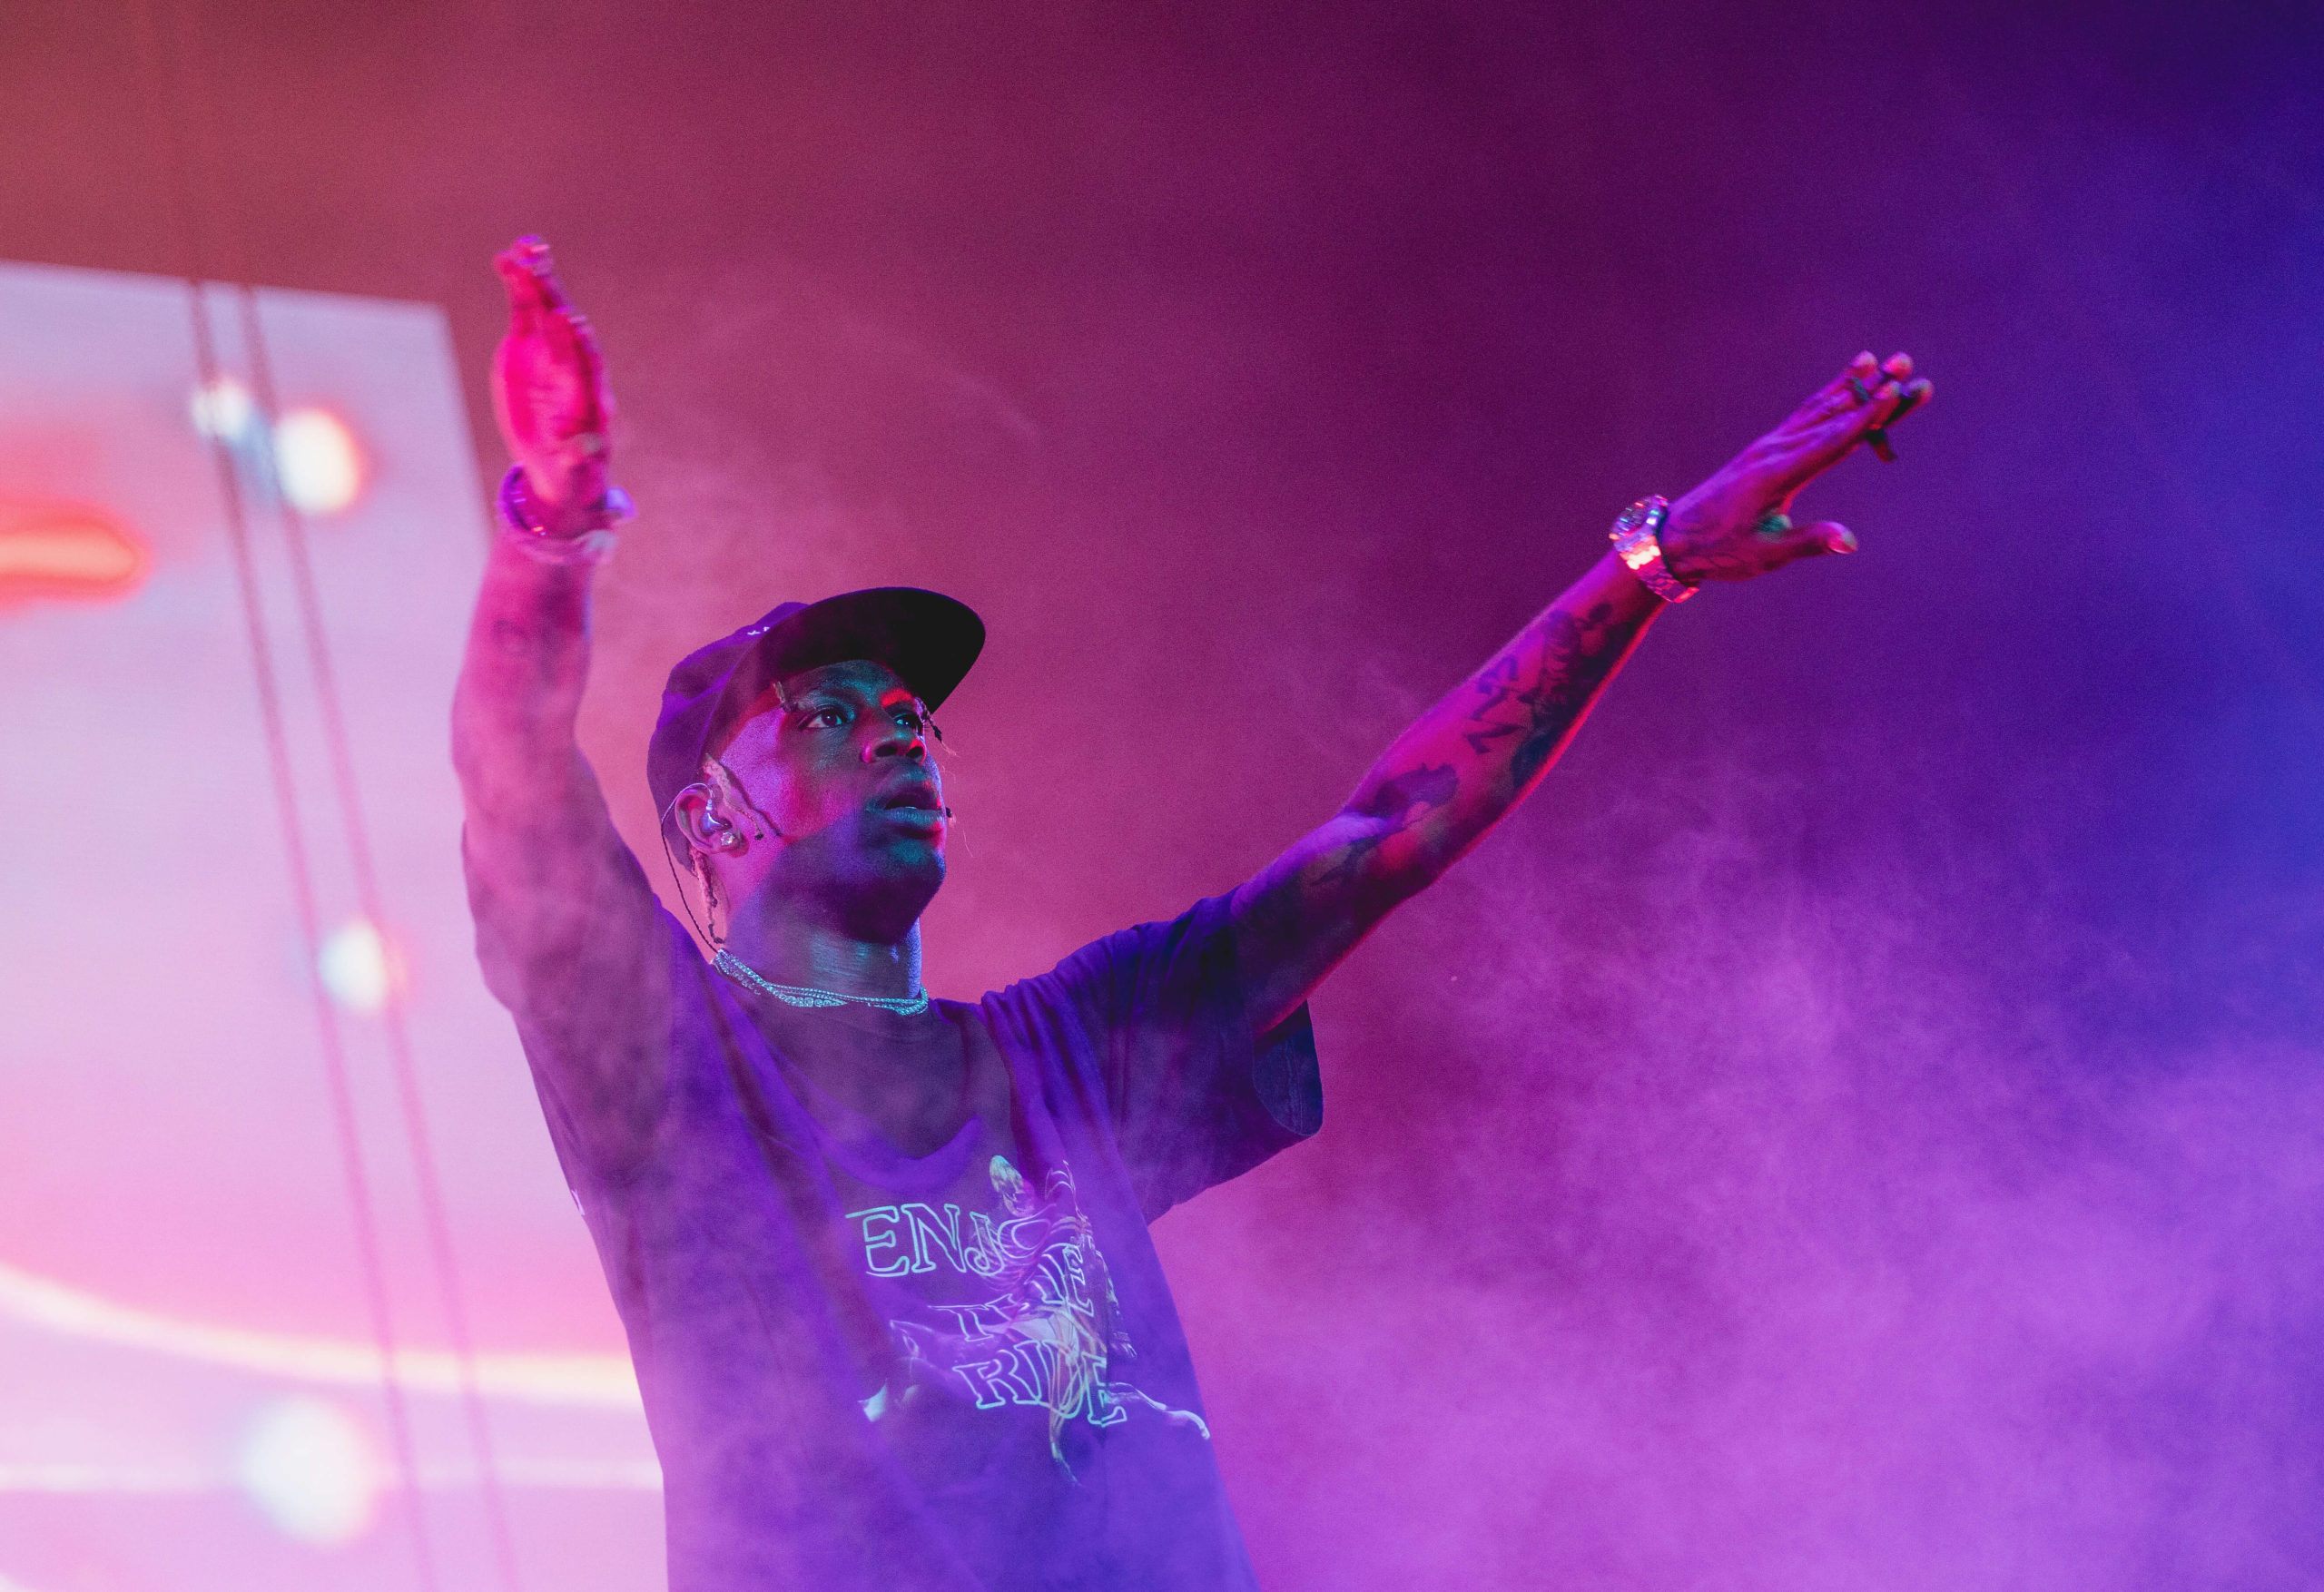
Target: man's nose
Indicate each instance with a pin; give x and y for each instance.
(896, 741)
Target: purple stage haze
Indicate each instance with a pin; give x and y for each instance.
(1862, 1126)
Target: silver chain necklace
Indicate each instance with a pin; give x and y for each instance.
(807, 995)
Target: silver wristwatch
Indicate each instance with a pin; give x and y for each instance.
(1638, 544)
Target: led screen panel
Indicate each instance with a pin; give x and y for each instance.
(240, 532)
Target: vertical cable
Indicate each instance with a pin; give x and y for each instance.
(368, 902)
(178, 188)
(356, 830)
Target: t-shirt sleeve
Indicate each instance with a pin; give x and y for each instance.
(590, 991)
(1195, 1097)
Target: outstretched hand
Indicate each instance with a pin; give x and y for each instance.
(1739, 523)
(548, 387)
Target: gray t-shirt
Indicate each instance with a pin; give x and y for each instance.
(887, 1280)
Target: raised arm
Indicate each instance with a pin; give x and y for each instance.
(564, 917)
(1480, 751)
(523, 781)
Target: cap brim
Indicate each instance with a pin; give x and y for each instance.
(928, 639)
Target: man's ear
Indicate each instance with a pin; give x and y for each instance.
(734, 804)
(704, 824)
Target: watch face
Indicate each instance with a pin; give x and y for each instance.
(1643, 514)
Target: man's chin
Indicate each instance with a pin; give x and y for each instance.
(900, 865)
(864, 872)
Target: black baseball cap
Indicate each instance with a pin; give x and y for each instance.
(928, 639)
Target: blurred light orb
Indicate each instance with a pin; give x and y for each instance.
(222, 409)
(359, 968)
(313, 1469)
(318, 461)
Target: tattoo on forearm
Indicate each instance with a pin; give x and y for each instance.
(1576, 656)
(1398, 802)
(1532, 696)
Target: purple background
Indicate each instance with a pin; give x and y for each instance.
(1860, 1124)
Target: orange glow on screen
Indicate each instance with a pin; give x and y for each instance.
(68, 551)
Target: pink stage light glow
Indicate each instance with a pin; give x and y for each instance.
(583, 1381)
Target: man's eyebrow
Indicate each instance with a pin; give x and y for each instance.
(850, 694)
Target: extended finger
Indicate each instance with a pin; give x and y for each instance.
(598, 393)
(1894, 394)
(1872, 426)
(1902, 396)
(1866, 396)
(1916, 393)
(1866, 377)
(544, 270)
(1809, 541)
(1841, 393)
(566, 327)
(1897, 369)
(520, 269)
(537, 301)
(1858, 400)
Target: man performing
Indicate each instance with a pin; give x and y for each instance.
(883, 1259)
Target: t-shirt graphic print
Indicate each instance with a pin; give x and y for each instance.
(1046, 1333)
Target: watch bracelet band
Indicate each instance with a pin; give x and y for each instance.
(519, 515)
(1637, 543)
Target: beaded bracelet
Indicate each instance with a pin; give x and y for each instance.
(521, 516)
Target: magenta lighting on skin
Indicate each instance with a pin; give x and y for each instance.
(738, 991)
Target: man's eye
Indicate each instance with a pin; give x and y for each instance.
(829, 718)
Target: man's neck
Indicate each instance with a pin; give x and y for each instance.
(787, 949)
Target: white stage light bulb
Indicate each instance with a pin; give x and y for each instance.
(222, 408)
(313, 1469)
(318, 461)
(357, 966)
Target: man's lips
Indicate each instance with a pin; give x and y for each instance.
(912, 798)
